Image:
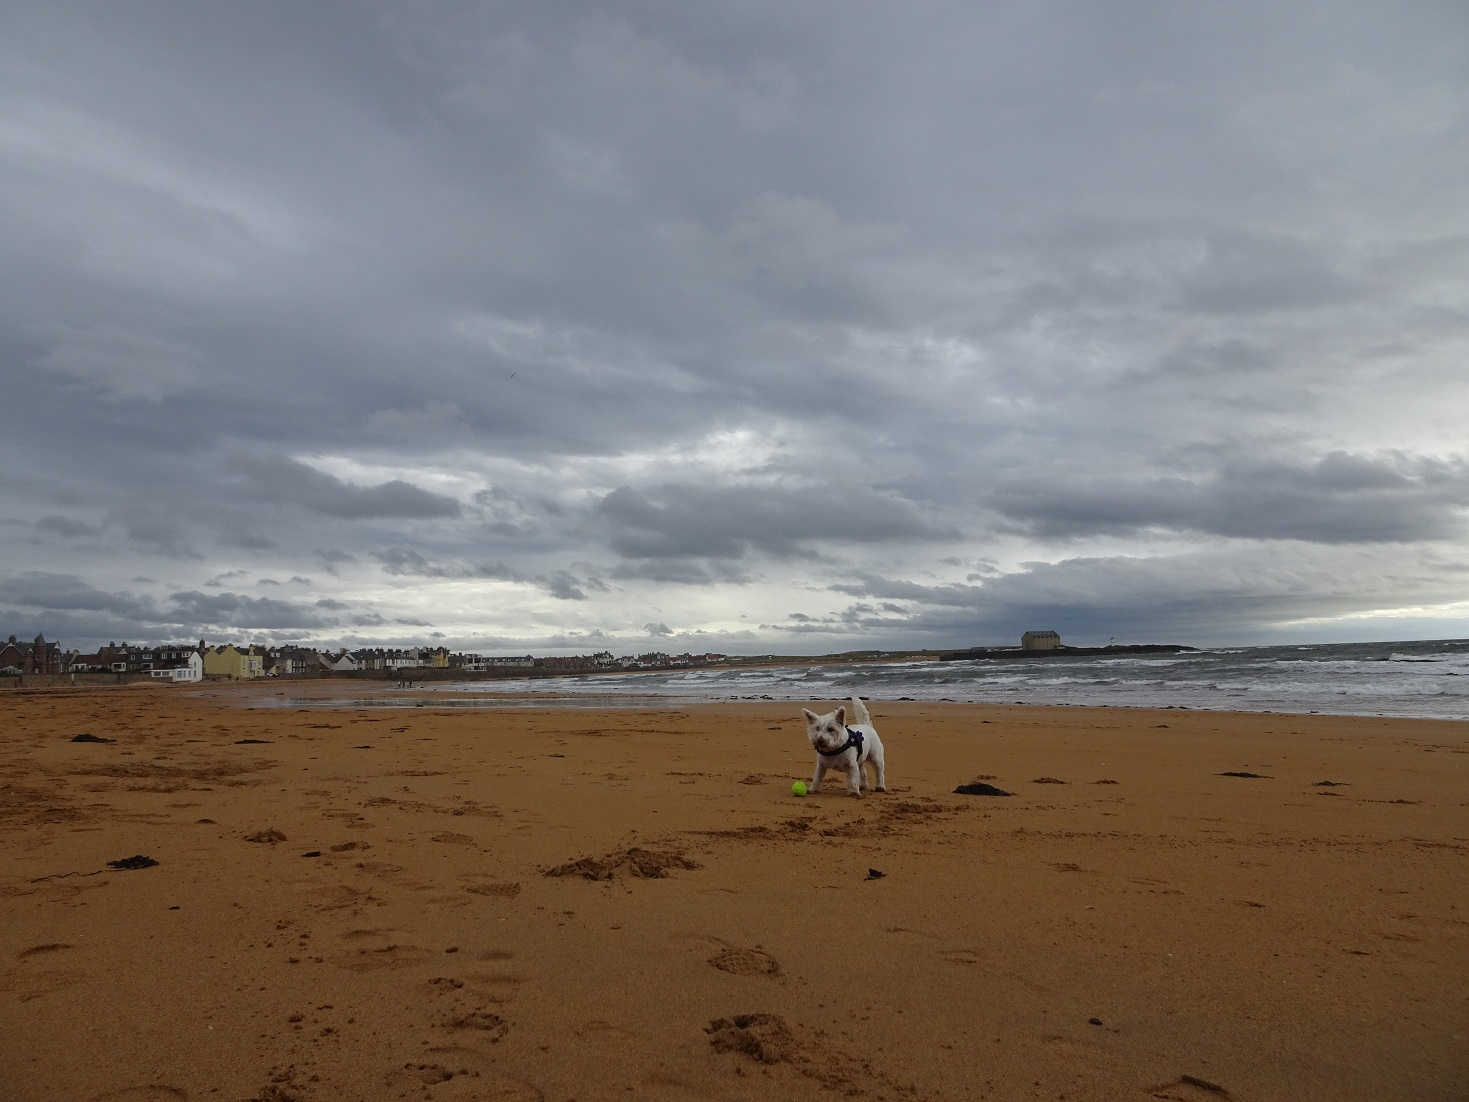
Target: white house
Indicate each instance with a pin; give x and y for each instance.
(343, 663)
(404, 659)
(191, 669)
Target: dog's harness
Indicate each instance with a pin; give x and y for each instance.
(854, 740)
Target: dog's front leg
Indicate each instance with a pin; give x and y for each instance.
(816, 777)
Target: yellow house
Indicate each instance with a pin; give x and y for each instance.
(438, 659)
(230, 661)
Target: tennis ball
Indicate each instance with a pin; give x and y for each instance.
(798, 789)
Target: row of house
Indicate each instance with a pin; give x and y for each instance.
(196, 661)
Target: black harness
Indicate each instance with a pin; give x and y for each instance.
(854, 740)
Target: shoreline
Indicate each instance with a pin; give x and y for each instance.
(558, 903)
(344, 693)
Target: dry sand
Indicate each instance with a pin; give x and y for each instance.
(363, 904)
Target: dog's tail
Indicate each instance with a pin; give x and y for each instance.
(857, 711)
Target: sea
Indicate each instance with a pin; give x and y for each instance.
(1427, 679)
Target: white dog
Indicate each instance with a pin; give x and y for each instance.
(840, 745)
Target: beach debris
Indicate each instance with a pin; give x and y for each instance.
(1330, 784)
(1243, 773)
(646, 864)
(136, 861)
(1202, 1084)
(979, 788)
(269, 836)
(874, 874)
(252, 742)
(1105, 780)
(1048, 780)
(1164, 1090)
(1094, 1021)
(86, 737)
(762, 1037)
(312, 853)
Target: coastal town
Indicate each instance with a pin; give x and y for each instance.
(241, 662)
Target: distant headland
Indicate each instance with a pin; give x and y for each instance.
(1064, 651)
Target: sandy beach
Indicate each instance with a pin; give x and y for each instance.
(426, 903)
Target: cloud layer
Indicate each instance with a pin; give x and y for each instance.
(761, 329)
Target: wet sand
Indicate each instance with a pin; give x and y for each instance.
(427, 903)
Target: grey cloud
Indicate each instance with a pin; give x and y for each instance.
(564, 587)
(332, 560)
(674, 520)
(66, 527)
(285, 480)
(68, 592)
(247, 613)
(771, 298)
(561, 584)
(153, 529)
(1202, 598)
(1340, 498)
(1255, 273)
(870, 585)
(680, 571)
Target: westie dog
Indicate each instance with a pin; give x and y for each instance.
(840, 745)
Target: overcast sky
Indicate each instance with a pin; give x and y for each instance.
(556, 327)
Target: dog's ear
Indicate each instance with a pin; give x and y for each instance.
(811, 717)
(842, 716)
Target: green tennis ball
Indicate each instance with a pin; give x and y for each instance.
(798, 789)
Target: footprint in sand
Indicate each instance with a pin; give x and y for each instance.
(483, 1021)
(450, 838)
(746, 962)
(373, 958)
(149, 1092)
(458, 1071)
(503, 889)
